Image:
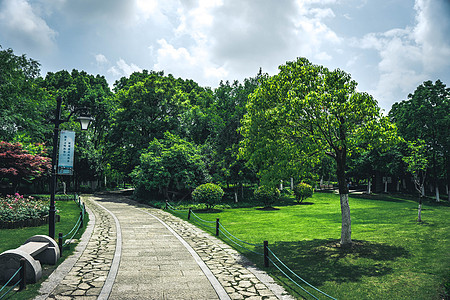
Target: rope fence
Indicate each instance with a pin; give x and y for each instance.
(21, 271)
(75, 228)
(268, 253)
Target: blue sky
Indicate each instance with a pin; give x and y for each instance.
(389, 46)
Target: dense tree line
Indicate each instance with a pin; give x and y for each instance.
(167, 135)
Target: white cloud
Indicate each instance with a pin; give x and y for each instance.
(123, 69)
(409, 55)
(147, 7)
(22, 25)
(432, 32)
(323, 56)
(182, 62)
(101, 59)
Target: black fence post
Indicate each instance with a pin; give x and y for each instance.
(217, 226)
(60, 243)
(167, 206)
(189, 213)
(266, 254)
(23, 274)
(82, 219)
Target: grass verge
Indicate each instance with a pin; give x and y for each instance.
(13, 238)
(393, 256)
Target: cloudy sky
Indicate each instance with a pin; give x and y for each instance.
(389, 46)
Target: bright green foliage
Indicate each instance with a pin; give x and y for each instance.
(23, 104)
(229, 107)
(425, 116)
(149, 105)
(417, 163)
(303, 191)
(91, 94)
(208, 193)
(170, 166)
(267, 195)
(305, 112)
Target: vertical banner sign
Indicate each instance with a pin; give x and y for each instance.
(66, 152)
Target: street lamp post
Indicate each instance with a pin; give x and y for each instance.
(85, 121)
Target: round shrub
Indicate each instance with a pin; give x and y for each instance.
(267, 195)
(302, 191)
(208, 193)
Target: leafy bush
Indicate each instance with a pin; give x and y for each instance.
(302, 191)
(267, 195)
(208, 193)
(17, 208)
(287, 192)
(170, 166)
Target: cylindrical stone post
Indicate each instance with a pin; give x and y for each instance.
(266, 254)
(217, 226)
(189, 213)
(23, 274)
(60, 242)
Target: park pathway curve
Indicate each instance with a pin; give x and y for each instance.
(132, 251)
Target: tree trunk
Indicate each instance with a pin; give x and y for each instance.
(437, 193)
(448, 194)
(419, 217)
(346, 228)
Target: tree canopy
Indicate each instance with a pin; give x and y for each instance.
(169, 166)
(307, 111)
(425, 116)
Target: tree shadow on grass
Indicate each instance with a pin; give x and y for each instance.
(318, 261)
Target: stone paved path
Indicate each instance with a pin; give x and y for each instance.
(137, 252)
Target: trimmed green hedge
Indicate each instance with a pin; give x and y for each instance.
(267, 195)
(208, 193)
(303, 191)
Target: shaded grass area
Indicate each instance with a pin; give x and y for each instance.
(13, 238)
(393, 256)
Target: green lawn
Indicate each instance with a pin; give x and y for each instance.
(393, 256)
(13, 238)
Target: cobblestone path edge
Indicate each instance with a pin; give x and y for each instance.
(64, 268)
(107, 287)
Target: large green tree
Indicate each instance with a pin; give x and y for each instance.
(150, 104)
(84, 93)
(307, 111)
(170, 166)
(425, 116)
(24, 106)
(230, 101)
